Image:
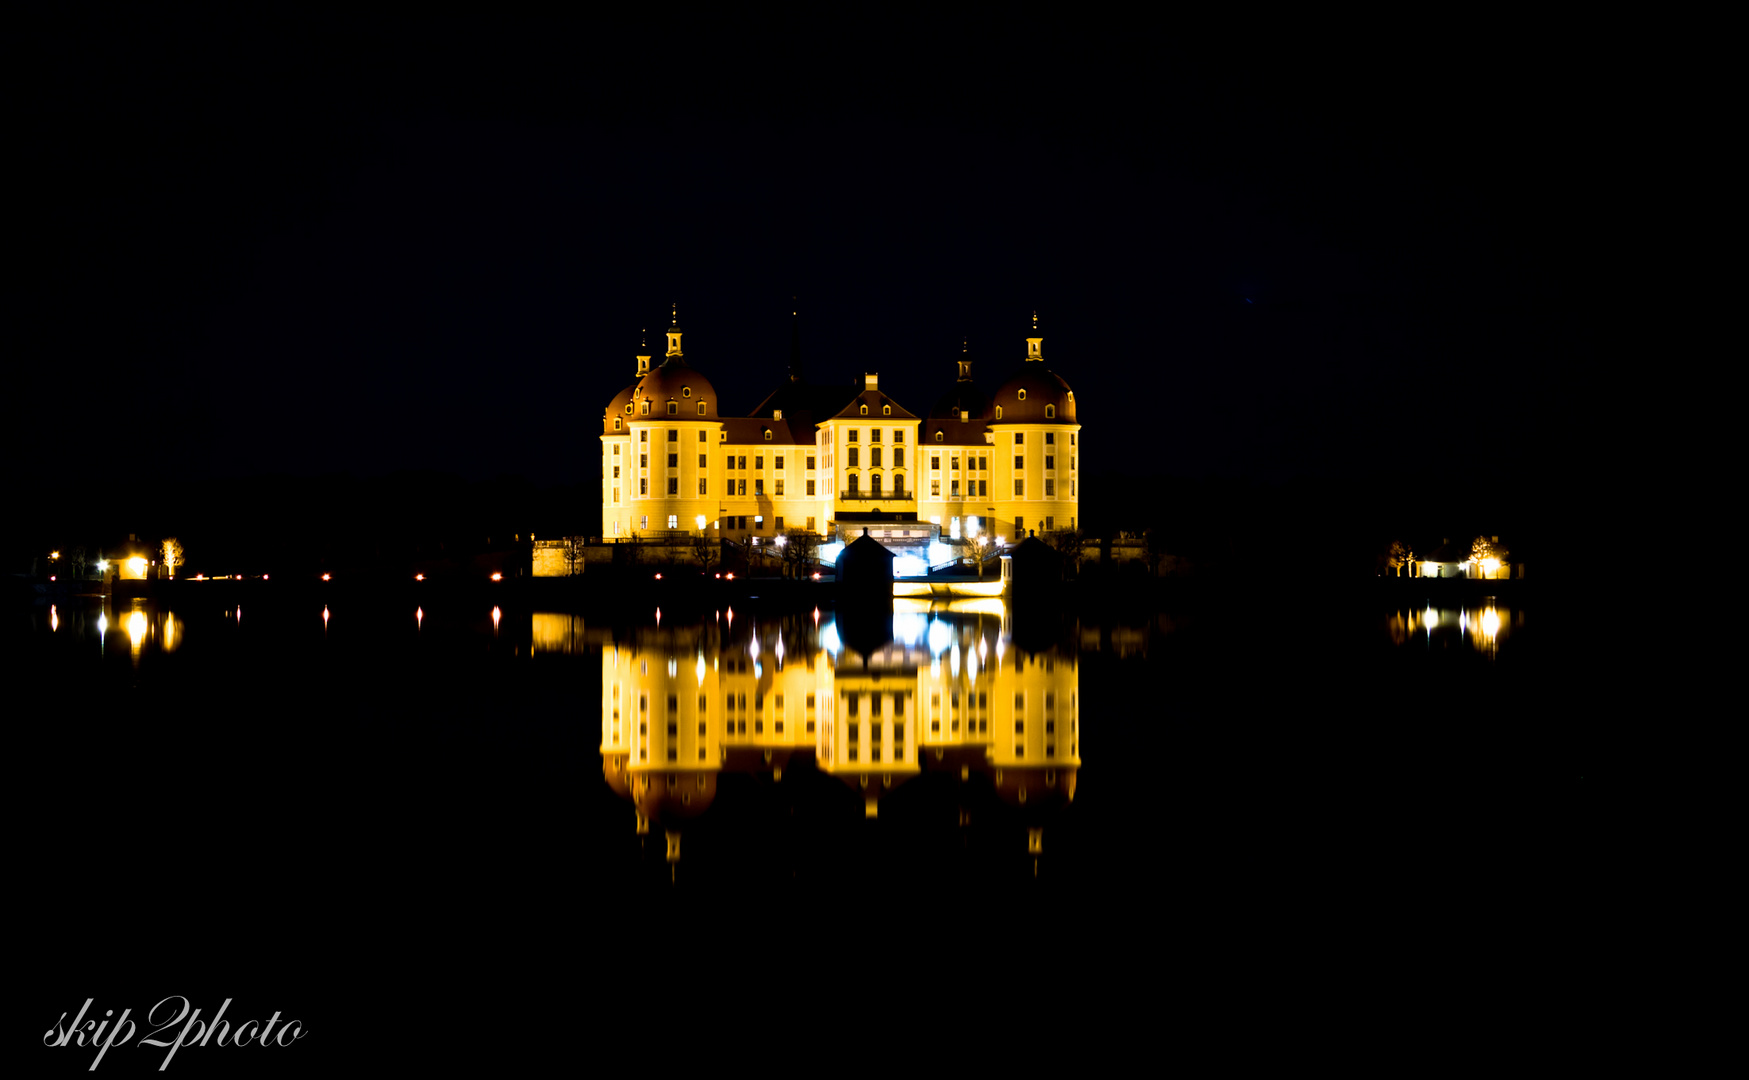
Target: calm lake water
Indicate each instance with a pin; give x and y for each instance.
(370, 779)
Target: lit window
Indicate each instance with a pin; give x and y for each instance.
(767, 434)
(1023, 395)
(865, 410)
(938, 436)
(701, 413)
(673, 521)
(616, 423)
(644, 408)
(898, 436)
(886, 410)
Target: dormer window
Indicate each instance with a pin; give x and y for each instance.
(998, 412)
(673, 408)
(886, 410)
(1050, 412)
(686, 391)
(965, 414)
(865, 410)
(628, 408)
(646, 409)
(767, 434)
(701, 408)
(938, 436)
(616, 423)
(1023, 395)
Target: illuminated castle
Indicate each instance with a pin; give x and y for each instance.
(830, 458)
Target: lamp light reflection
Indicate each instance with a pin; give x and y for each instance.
(102, 629)
(418, 618)
(54, 619)
(497, 614)
(136, 630)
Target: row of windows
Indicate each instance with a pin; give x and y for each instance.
(874, 434)
(874, 457)
(734, 462)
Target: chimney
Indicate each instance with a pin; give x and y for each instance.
(871, 382)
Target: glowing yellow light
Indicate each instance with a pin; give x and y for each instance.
(263, 577)
(137, 629)
(54, 619)
(324, 616)
(1490, 622)
(102, 565)
(169, 632)
(658, 577)
(418, 618)
(700, 520)
(1490, 565)
(137, 565)
(496, 615)
(327, 577)
(54, 554)
(731, 577)
(102, 627)
(500, 577)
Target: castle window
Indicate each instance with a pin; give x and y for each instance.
(767, 434)
(673, 521)
(1019, 491)
(886, 410)
(673, 434)
(645, 410)
(673, 488)
(998, 412)
(701, 413)
(616, 423)
(701, 439)
(898, 436)
(1023, 395)
(686, 391)
(935, 489)
(1019, 437)
(1050, 412)
(810, 487)
(853, 436)
(628, 408)
(938, 436)
(701, 486)
(874, 484)
(898, 485)
(1071, 438)
(865, 410)
(1050, 436)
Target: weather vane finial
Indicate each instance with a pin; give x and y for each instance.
(1035, 319)
(676, 320)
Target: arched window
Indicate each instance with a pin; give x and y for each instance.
(851, 489)
(938, 436)
(898, 485)
(767, 434)
(865, 410)
(1050, 412)
(628, 408)
(1023, 395)
(886, 410)
(874, 485)
(998, 412)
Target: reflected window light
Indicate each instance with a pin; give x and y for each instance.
(102, 628)
(418, 618)
(1490, 622)
(497, 614)
(699, 670)
(136, 629)
(324, 618)
(54, 619)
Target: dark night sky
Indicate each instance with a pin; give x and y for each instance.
(307, 248)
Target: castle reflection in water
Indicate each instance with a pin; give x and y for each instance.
(873, 706)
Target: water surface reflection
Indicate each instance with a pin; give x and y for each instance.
(873, 707)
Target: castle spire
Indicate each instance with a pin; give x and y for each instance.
(674, 332)
(795, 342)
(965, 362)
(1035, 343)
(643, 357)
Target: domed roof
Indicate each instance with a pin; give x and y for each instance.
(675, 380)
(617, 407)
(1024, 397)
